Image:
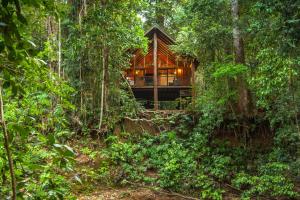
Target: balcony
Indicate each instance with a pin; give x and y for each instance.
(166, 78)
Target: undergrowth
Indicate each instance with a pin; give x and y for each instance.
(195, 164)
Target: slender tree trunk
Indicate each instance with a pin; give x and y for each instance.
(85, 7)
(81, 90)
(59, 47)
(244, 99)
(102, 88)
(102, 101)
(80, 68)
(49, 34)
(6, 146)
(106, 79)
(3, 176)
(237, 37)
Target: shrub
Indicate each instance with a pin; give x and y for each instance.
(270, 181)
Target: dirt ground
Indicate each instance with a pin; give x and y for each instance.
(101, 192)
(138, 194)
(128, 194)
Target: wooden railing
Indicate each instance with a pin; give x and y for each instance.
(144, 81)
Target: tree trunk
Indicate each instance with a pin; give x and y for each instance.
(106, 79)
(80, 68)
(6, 146)
(49, 34)
(85, 7)
(243, 101)
(102, 87)
(237, 38)
(59, 48)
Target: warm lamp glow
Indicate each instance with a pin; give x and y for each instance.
(136, 72)
(179, 71)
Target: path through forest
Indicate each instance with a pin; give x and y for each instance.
(128, 194)
(138, 194)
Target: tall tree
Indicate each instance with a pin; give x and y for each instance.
(239, 57)
(25, 86)
(237, 37)
(115, 29)
(161, 13)
(7, 147)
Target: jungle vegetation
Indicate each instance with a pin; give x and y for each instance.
(62, 89)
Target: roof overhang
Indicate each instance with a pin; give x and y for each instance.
(161, 34)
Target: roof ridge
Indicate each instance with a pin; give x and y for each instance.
(162, 30)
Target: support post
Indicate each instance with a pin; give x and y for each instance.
(155, 72)
(193, 83)
(134, 83)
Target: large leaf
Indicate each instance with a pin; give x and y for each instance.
(22, 130)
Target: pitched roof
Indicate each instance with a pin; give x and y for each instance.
(160, 34)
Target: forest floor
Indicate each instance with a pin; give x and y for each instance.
(139, 194)
(99, 191)
(94, 186)
(91, 187)
(128, 194)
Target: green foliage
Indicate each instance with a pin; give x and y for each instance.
(229, 70)
(38, 156)
(210, 34)
(287, 140)
(270, 181)
(188, 158)
(175, 164)
(282, 17)
(273, 77)
(161, 13)
(171, 159)
(128, 156)
(208, 187)
(196, 162)
(35, 105)
(37, 128)
(168, 105)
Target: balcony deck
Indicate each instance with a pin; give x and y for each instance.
(164, 81)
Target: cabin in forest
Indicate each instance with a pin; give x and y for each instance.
(161, 79)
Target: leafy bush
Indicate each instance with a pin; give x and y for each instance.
(209, 189)
(126, 155)
(37, 123)
(270, 181)
(287, 140)
(168, 105)
(190, 159)
(176, 166)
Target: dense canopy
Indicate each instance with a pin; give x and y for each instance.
(73, 123)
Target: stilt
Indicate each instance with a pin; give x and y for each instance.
(193, 83)
(155, 72)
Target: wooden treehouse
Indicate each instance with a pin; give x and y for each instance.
(161, 79)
